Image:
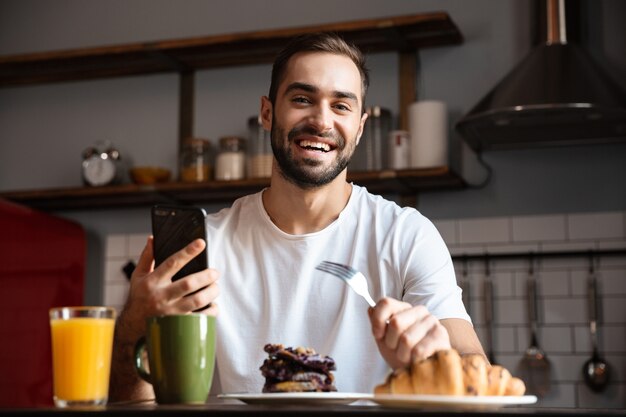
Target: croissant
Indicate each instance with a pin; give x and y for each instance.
(447, 373)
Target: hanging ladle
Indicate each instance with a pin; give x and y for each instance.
(596, 370)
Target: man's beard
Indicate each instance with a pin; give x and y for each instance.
(304, 174)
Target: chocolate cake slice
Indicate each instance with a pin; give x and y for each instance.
(297, 370)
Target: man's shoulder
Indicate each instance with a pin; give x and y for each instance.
(375, 209)
(379, 204)
(243, 206)
(250, 200)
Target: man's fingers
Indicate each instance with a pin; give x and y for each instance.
(416, 335)
(381, 315)
(436, 339)
(177, 261)
(192, 283)
(200, 299)
(213, 310)
(146, 259)
(405, 327)
(192, 287)
(406, 333)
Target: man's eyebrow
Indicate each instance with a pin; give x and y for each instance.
(346, 94)
(309, 88)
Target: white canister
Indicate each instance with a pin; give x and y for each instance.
(399, 145)
(428, 126)
(231, 160)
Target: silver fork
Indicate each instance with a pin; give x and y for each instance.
(351, 276)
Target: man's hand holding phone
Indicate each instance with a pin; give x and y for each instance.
(152, 291)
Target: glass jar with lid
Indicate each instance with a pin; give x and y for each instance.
(371, 154)
(377, 128)
(260, 153)
(230, 163)
(195, 165)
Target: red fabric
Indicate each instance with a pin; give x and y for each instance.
(42, 265)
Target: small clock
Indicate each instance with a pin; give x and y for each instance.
(101, 165)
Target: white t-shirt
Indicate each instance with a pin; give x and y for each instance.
(270, 291)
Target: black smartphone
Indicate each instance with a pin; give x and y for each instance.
(173, 228)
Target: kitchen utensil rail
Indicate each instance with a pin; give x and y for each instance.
(554, 254)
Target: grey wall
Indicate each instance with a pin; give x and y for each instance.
(43, 129)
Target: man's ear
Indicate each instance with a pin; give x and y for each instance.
(361, 125)
(266, 113)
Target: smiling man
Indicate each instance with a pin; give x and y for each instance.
(266, 246)
(316, 119)
(317, 102)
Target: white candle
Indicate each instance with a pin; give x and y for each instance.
(428, 126)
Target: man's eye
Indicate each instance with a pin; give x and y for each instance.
(342, 107)
(302, 100)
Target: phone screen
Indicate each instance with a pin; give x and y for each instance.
(173, 228)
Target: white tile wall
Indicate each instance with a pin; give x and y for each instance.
(596, 226)
(116, 246)
(492, 230)
(120, 249)
(563, 331)
(136, 243)
(539, 228)
(554, 283)
(448, 229)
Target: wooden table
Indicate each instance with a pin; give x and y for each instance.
(229, 410)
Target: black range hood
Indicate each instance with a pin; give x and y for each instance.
(557, 95)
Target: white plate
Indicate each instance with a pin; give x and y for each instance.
(451, 401)
(309, 398)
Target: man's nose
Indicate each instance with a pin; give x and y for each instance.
(321, 118)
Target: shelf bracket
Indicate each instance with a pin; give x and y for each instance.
(408, 73)
(186, 108)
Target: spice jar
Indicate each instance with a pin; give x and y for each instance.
(260, 154)
(377, 128)
(195, 165)
(399, 148)
(231, 159)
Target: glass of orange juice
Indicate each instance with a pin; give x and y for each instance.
(82, 341)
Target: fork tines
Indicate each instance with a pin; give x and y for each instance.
(336, 269)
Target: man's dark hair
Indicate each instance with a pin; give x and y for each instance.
(318, 42)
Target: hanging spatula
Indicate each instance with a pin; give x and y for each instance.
(534, 367)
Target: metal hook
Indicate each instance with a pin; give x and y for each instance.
(465, 261)
(591, 262)
(487, 270)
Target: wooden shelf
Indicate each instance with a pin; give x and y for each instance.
(404, 182)
(401, 33)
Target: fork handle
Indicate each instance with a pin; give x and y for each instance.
(369, 300)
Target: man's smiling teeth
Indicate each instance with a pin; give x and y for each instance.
(315, 145)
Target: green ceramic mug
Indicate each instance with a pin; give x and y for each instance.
(181, 355)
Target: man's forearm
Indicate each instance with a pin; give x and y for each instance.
(125, 383)
(462, 336)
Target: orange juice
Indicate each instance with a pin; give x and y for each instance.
(81, 357)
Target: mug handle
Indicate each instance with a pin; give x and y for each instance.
(140, 348)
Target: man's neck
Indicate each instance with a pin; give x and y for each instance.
(297, 211)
